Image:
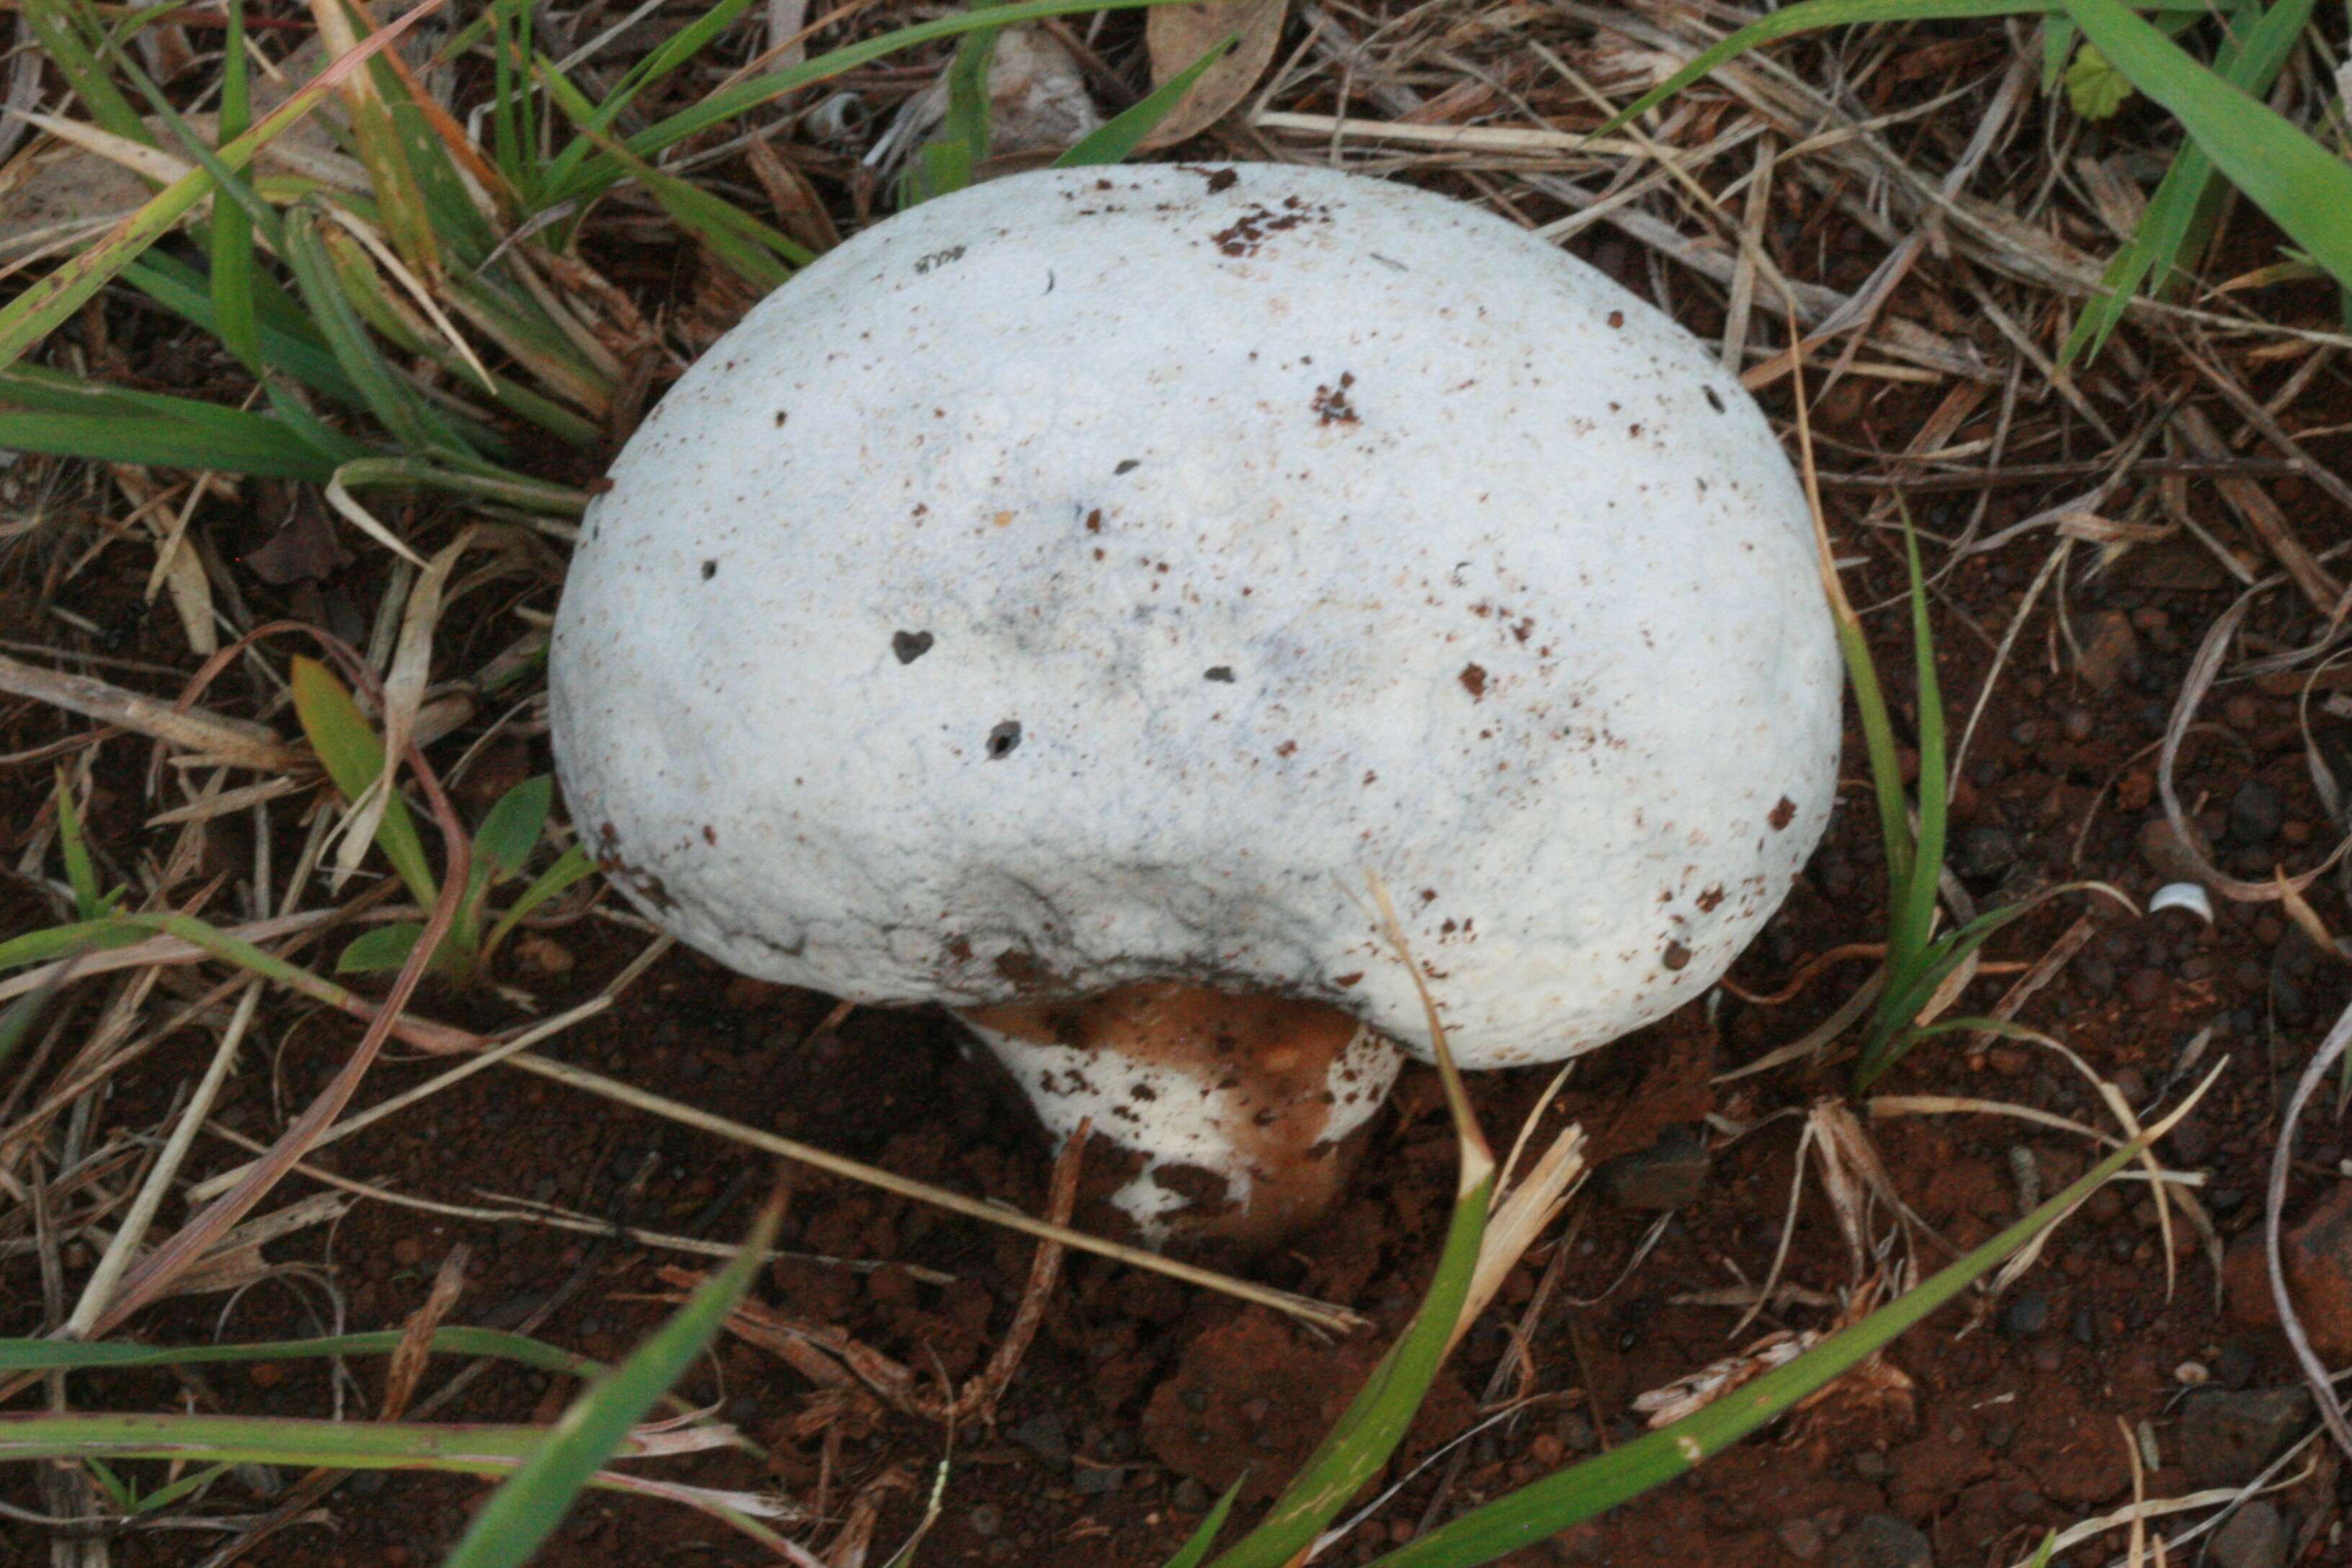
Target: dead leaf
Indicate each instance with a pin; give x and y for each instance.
(304, 551)
(1177, 36)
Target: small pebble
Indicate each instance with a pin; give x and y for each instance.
(2027, 1313)
(1801, 1537)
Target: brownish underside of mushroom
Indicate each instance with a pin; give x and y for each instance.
(1269, 1059)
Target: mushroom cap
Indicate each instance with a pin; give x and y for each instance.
(1093, 575)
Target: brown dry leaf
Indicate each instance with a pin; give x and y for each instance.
(1178, 35)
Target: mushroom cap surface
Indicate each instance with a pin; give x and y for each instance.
(1092, 576)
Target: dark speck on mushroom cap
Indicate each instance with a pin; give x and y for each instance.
(1282, 567)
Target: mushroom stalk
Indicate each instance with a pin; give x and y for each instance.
(1239, 1105)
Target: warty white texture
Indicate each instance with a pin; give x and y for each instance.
(1095, 575)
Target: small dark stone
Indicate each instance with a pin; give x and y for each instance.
(1870, 1465)
(1043, 1435)
(2256, 813)
(1667, 1174)
(2236, 1366)
(2086, 1326)
(1098, 1480)
(985, 1520)
(2078, 723)
(1800, 1538)
(2255, 1537)
(1881, 1541)
(2225, 1436)
(910, 647)
(1190, 1496)
(2027, 1313)
(1986, 852)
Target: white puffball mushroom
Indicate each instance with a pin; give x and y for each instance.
(1062, 596)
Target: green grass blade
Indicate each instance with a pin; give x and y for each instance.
(376, 952)
(946, 162)
(674, 52)
(52, 300)
(80, 1355)
(391, 399)
(1119, 136)
(1375, 1421)
(1568, 1497)
(761, 255)
(231, 241)
(80, 875)
(1812, 16)
(581, 176)
(511, 830)
(1367, 1433)
(16, 1023)
(55, 942)
(526, 1509)
(1914, 914)
(347, 748)
(1196, 1546)
(573, 865)
(291, 348)
(259, 446)
(2181, 210)
(1885, 762)
(2303, 187)
(486, 481)
(2057, 45)
(268, 1440)
(55, 26)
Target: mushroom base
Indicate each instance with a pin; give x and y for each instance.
(1238, 1103)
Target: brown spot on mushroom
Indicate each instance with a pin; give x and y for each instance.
(1331, 405)
(1473, 681)
(910, 646)
(1676, 956)
(1782, 814)
(1709, 899)
(1027, 975)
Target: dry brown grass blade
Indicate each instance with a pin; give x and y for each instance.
(403, 694)
(1324, 1315)
(406, 1369)
(832, 1358)
(1535, 1200)
(152, 1275)
(2261, 515)
(99, 1287)
(2203, 670)
(233, 742)
(2315, 1371)
(979, 1395)
(1177, 36)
